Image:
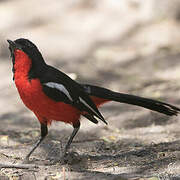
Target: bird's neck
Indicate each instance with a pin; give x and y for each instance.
(22, 64)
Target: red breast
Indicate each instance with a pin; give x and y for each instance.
(33, 96)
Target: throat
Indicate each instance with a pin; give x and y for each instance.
(22, 65)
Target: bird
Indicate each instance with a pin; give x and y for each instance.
(53, 96)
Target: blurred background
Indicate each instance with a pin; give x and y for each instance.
(131, 46)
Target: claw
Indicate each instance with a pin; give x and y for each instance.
(26, 161)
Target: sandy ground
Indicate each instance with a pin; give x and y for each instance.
(141, 59)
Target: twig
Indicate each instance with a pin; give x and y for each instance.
(18, 166)
(64, 175)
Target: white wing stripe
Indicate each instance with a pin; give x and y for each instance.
(60, 87)
(84, 102)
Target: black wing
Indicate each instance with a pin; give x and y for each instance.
(60, 87)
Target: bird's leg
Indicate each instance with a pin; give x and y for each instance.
(76, 129)
(44, 132)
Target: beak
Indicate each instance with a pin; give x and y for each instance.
(12, 45)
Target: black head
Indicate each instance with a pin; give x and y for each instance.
(30, 49)
(23, 44)
(27, 46)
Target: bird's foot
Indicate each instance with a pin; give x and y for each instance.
(26, 160)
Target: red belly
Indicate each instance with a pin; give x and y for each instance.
(34, 98)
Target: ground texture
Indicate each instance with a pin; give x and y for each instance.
(108, 45)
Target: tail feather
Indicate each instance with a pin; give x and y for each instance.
(108, 95)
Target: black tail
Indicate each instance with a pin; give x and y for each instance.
(151, 104)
